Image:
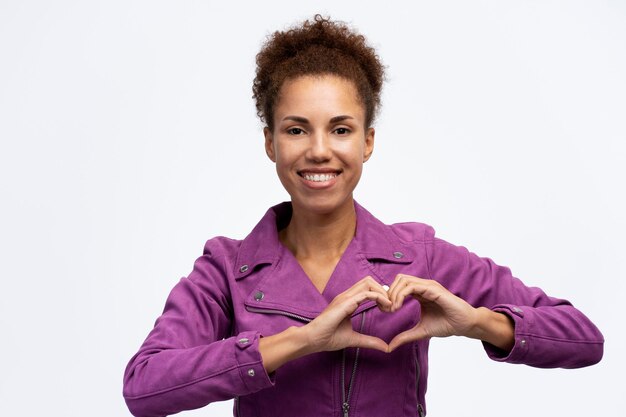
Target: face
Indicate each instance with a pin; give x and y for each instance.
(319, 142)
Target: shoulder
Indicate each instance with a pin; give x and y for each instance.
(213, 269)
(220, 254)
(423, 233)
(221, 247)
(413, 232)
(438, 252)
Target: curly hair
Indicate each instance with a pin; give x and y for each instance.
(317, 48)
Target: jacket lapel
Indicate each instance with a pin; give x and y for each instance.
(283, 287)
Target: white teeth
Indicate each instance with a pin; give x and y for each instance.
(318, 177)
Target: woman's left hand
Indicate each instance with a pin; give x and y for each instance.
(443, 313)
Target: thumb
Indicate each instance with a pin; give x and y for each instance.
(416, 333)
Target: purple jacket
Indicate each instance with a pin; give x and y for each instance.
(205, 345)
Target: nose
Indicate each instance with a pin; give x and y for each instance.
(320, 149)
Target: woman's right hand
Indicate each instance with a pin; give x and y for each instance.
(332, 329)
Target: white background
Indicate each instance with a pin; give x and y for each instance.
(129, 138)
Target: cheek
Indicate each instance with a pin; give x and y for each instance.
(283, 157)
(288, 152)
(352, 153)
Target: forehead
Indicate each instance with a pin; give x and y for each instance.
(321, 95)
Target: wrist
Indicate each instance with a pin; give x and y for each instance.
(495, 328)
(303, 340)
(283, 347)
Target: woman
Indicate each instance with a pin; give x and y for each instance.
(323, 310)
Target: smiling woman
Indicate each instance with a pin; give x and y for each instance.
(323, 310)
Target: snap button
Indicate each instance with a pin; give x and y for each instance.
(523, 342)
(398, 255)
(244, 340)
(259, 295)
(251, 372)
(243, 268)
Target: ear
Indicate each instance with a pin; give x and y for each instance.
(369, 143)
(269, 143)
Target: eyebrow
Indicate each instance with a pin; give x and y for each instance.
(304, 120)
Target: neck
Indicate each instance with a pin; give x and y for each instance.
(314, 235)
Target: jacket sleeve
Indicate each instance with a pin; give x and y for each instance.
(190, 359)
(549, 332)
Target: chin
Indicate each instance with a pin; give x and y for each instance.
(322, 206)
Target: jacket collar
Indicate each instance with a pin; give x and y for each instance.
(374, 239)
(378, 241)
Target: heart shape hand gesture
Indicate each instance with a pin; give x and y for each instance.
(443, 314)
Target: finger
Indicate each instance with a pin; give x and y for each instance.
(417, 290)
(381, 299)
(400, 282)
(416, 333)
(369, 342)
(395, 283)
(400, 277)
(348, 305)
(420, 288)
(398, 298)
(372, 285)
(400, 290)
(368, 283)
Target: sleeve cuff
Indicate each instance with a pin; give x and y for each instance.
(251, 369)
(522, 341)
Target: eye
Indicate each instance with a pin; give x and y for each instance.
(342, 131)
(295, 131)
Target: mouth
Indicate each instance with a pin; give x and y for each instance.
(314, 176)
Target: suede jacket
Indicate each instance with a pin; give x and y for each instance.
(205, 345)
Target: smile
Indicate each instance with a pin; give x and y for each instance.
(318, 177)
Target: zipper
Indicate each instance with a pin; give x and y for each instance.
(237, 412)
(345, 398)
(279, 312)
(420, 408)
